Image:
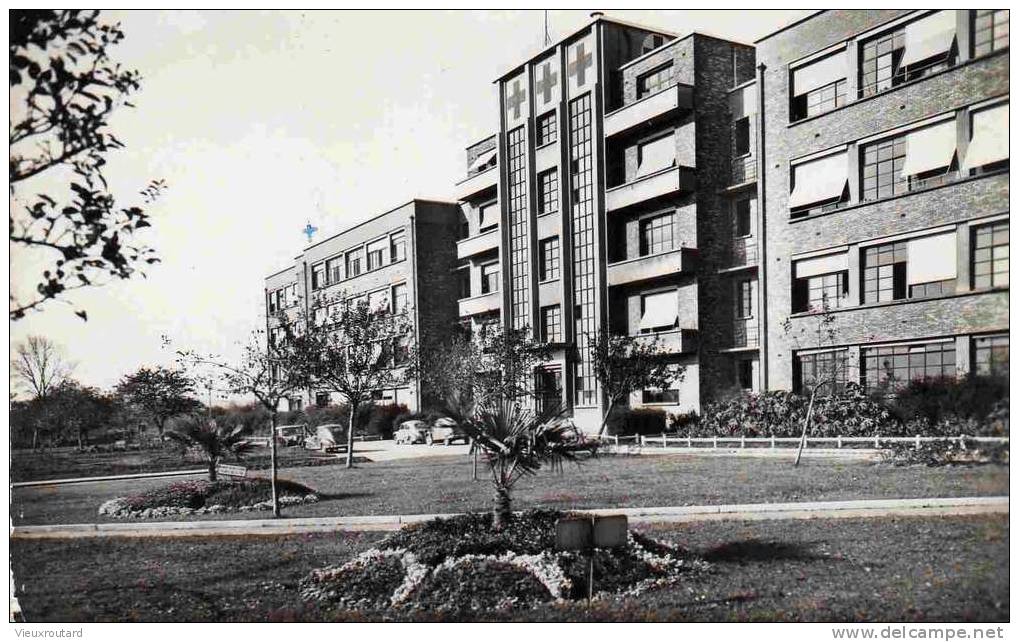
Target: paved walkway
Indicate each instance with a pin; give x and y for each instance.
(662, 514)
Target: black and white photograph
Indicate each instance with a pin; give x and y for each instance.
(485, 316)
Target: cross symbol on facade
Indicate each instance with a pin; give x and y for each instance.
(310, 230)
(578, 66)
(546, 82)
(516, 98)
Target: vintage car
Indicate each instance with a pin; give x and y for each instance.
(327, 438)
(291, 435)
(444, 431)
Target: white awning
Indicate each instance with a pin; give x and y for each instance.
(931, 258)
(819, 180)
(827, 264)
(989, 142)
(819, 73)
(929, 37)
(929, 148)
(482, 160)
(657, 155)
(489, 215)
(660, 310)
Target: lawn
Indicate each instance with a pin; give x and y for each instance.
(444, 485)
(68, 463)
(883, 569)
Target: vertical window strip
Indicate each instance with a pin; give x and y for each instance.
(519, 290)
(582, 217)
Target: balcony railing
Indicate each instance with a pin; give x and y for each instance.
(745, 334)
(743, 253)
(744, 170)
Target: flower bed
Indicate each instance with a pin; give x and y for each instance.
(461, 565)
(196, 497)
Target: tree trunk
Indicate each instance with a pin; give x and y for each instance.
(273, 464)
(605, 417)
(501, 508)
(350, 435)
(806, 426)
(35, 438)
(212, 470)
(81, 443)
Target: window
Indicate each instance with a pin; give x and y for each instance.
(547, 128)
(318, 276)
(659, 311)
(552, 324)
(378, 301)
(819, 86)
(745, 374)
(741, 213)
(488, 216)
(819, 185)
(549, 259)
(913, 51)
(397, 247)
(463, 227)
(489, 278)
(741, 137)
(990, 355)
(917, 268)
(990, 255)
(654, 395)
(548, 383)
(654, 80)
(463, 279)
(990, 30)
(988, 145)
(376, 254)
(921, 158)
(656, 155)
(271, 302)
(321, 399)
(820, 280)
(651, 42)
(401, 351)
(548, 191)
(744, 299)
(318, 317)
(353, 263)
(894, 366)
(334, 270)
(656, 234)
(399, 298)
(484, 161)
(296, 404)
(824, 368)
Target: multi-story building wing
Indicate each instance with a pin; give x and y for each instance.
(400, 260)
(479, 287)
(885, 191)
(614, 155)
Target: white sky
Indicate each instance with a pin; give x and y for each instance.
(261, 121)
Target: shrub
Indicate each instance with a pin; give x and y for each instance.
(636, 421)
(198, 494)
(380, 421)
(946, 453)
(937, 398)
(475, 584)
(684, 422)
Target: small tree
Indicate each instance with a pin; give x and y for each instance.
(160, 393)
(624, 364)
(214, 441)
(77, 410)
(64, 87)
(516, 442)
(40, 367)
(352, 350)
(266, 371)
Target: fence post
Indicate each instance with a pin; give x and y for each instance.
(877, 441)
(962, 442)
(641, 439)
(665, 441)
(689, 442)
(714, 441)
(838, 441)
(918, 442)
(742, 441)
(773, 440)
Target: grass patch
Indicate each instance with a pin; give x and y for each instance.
(947, 569)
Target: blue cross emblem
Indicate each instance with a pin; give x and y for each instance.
(310, 230)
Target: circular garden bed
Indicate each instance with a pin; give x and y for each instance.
(200, 497)
(459, 565)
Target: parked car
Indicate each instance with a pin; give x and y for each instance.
(411, 432)
(327, 438)
(444, 431)
(291, 435)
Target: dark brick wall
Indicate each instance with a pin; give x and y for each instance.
(966, 84)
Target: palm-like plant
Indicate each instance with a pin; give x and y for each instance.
(216, 442)
(515, 442)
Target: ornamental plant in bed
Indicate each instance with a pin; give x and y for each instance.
(464, 564)
(200, 496)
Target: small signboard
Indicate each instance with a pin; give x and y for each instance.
(585, 533)
(610, 531)
(231, 471)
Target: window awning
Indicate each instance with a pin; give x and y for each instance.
(819, 180)
(657, 155)
(483, 160)
(928, 37)
(821, 265)
(989, 142)
(819, 73)
(929, 148)
(660, 310)
(931, 258)
(378, 246)
(489, 215)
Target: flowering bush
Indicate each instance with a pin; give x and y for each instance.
(200, 496)
(461, 564)
(947, 453)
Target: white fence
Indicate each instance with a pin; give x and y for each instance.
(677, 441)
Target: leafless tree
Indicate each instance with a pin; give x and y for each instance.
(41, 368)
